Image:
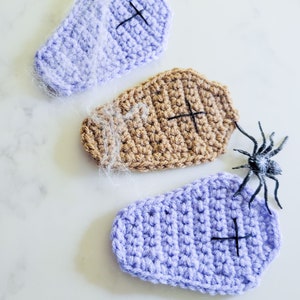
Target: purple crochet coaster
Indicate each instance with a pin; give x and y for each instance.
(100, 40)
(198, 237)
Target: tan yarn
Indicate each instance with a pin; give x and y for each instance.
(160, 124)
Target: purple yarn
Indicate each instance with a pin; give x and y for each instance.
(94, 44)
(176, 238)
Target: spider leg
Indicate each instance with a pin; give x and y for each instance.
(241, 167)
(256, 191)
(246, 179)
(243, 152)
(248, 136)
(276, 189)
(269, 148)
(266, 195)
(262, 147)
(274, 152)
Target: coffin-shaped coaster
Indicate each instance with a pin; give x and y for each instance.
(100, 40)
(198, 237)
(175, 119)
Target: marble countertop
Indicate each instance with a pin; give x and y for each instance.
(56, 208)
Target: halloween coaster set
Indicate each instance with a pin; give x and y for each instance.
(215, 235)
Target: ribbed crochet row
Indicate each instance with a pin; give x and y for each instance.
(177, 118)
(198, 237)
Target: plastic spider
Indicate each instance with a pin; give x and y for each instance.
(261, 165)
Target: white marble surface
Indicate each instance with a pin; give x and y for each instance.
(56, 210)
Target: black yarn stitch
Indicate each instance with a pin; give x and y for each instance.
(137, 13)
(236, 237)
(190, 114)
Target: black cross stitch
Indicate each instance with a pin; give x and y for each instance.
(236, 238)
(137, 13)
(190, 114)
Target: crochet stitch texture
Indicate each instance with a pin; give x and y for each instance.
(177, 118)
(198, 237)
(100, 40)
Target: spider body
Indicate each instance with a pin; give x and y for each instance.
(261, 165)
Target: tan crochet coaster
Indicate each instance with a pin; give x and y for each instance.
(175, 119)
